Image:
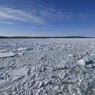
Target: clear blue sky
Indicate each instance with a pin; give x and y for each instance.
(47, 17)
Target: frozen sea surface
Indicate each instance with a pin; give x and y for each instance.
(47, 66)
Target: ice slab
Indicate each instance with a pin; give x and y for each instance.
(2, 51)
(21, 49)
(81, 62)
(6, 54)
(16, 74)
(86, 62)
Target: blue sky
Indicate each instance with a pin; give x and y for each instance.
(47, 17)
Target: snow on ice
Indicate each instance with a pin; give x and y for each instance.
(47, 67)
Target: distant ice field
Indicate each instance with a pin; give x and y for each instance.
(47, 66)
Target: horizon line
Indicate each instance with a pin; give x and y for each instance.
(45, 37)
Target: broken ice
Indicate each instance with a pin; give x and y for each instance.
(47, 67)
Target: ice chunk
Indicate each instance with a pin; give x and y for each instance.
(70, 55)
(21, 49)
(16, 74)
(4, 84)
(86, 62)
(81, 62)
(2, 80)
(6, 54)
(2, 51)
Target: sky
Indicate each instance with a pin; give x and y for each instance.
(47, 18)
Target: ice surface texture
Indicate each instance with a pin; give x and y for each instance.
(47, 67)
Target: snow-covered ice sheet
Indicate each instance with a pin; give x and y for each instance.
(47, 67)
